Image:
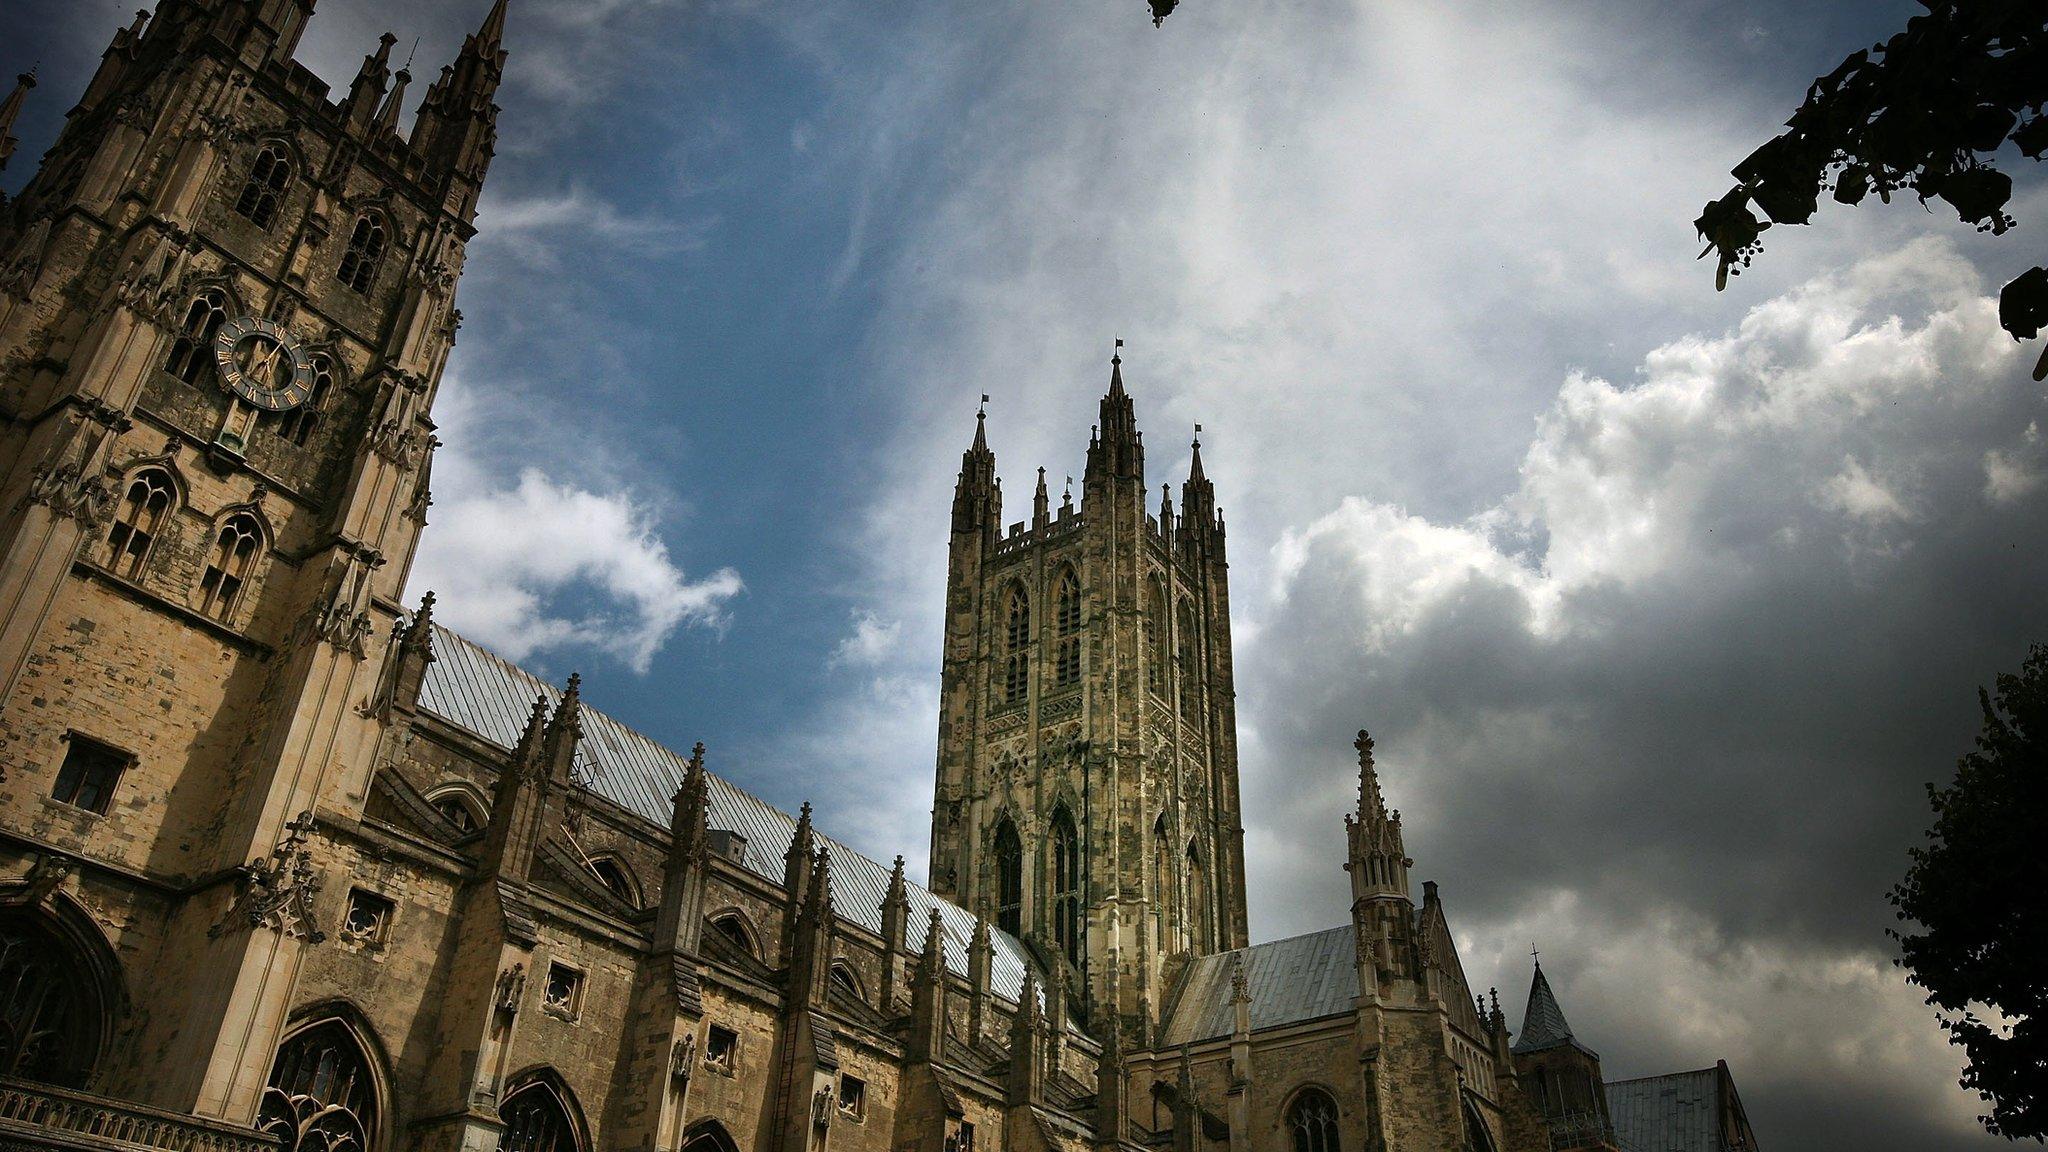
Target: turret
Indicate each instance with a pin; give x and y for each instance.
(980, 954)
(1201, 536)
(796, 874)
(10, 109)
(1117, 450)
(895, 936)
(519, 805)
(977, 498)
(1560, 1075)
(927, 1041)
(1380, 904)
(457, 130)
(1041, 506)
(679, 923)
(372, 79)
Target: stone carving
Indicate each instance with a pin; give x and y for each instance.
(277, 893)
(682, 1058)
(511, 987)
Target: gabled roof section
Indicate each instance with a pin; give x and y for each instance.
(1290, 981)
(1543, 1022)
(474, 689)
(1681, 1112)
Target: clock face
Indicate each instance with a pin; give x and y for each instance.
(261, 363)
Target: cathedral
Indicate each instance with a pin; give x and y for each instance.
(285, 864)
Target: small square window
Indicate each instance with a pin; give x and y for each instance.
(853, 1097)
(90, 771)
(564, 993)
(721, 1048)
(367, 920)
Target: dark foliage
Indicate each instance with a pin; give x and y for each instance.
(1161, 9)
(1978, 894)
(1925, 112)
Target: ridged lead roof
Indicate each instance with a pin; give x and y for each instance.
(1292, 980)
(1676, 1113)
(472, 688)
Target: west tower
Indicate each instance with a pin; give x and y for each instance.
(1087, 795)
(225, 304)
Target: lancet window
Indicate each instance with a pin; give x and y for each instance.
(365, 251)
(228, 566)
(192, 350)
(269, 177)
(1009, 879)
(138, 521)
(1017, 647)
(1067, 622)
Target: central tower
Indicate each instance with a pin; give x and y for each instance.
(1087, 796)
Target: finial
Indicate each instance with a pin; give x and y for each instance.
(1198, 437)
(697, 756)
(1117, 357)
(1533, 954)
(981, 413)
(408, 55)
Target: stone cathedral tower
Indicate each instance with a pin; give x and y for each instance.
(225, 303)
(1087, 796)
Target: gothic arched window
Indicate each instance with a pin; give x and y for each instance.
(1312, 1122)
(269, 177)
(1067, 622)
(50, 1017)
(1162, 870)
(321, 1096)
(613, 874)
(1156, 623)
(844, 980)
(734, 928)
(536, 1120)
(228, 566)
(138, 520)
(298, 424)
(1198, 896)
(1009, 879)
(708, 1136)
(1478, 1138)
(365, 251)
(192, 350)
(1017, 647)
(1066, 888)
(1190, 657)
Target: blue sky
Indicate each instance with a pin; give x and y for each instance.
(1661, 603)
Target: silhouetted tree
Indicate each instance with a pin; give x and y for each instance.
(1161, 9)
(1925, 112)
(1978, 893)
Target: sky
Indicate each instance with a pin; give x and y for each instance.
(1662, 605)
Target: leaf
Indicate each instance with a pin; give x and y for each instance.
(2023, 304)
(1977, 194)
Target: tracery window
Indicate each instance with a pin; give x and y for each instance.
(1190, 657)
(1066, 888)
(321, 1096)
(1017, 647)
(50, 1019)
(536, 1121)
(297, 425)
(365, 251)
(228, 566)
(1009, 879)
(192, 350)
(1162, 870)
(1067, 622)
(269, 177)
(1312, 1120)
(1198, 896)
(138, 521)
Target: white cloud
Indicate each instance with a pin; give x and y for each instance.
(872, 641)
(527, 563)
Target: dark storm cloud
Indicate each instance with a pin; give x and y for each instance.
(1669, 706)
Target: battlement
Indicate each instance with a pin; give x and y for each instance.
(1021, 538)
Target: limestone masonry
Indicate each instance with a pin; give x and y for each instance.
(284, 864)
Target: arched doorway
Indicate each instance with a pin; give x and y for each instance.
(55, 1001)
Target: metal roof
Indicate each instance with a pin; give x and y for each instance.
(1291, 980)
(1680, 1112)
(472, 688)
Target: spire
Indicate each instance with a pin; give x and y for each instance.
(1371, 805)
(493, 31)
(1041, 504)
(10, 109)
(1116, 451)
(927, 1039)
(565, 729)
(387, 117)
(1543, 1022)
(977, 496)
(1195, 464)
